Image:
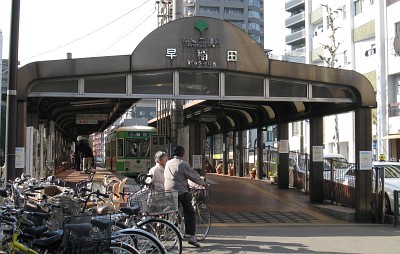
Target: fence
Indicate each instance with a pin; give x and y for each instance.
(338, 178)
(300, 164)
(339, 182)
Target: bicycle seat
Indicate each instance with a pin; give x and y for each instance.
(43, 243)
(134, 210)
(36, 231)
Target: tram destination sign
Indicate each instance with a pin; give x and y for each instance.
(137, 134)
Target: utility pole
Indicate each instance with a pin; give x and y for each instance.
(11, 116)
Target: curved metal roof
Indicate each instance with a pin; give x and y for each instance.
(250, 91)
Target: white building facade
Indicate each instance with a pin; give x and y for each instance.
(365, 41)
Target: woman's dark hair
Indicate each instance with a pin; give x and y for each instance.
(178, 151)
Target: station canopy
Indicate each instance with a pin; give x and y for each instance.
(230, 82)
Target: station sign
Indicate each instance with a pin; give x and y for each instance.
(87, 121)
(208, 118)
(98, 117)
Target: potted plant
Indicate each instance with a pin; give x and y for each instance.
(273, 176)
(231, 170)
(219, 168)
(253, 173)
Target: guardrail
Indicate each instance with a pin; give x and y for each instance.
(396, 207)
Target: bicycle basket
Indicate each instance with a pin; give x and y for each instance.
(203, 194)
(160, 202)
(66, 207)
(136, 198)
(87, 234)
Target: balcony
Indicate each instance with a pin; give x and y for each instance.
(295, 20)
(294, 4)
(296, 37)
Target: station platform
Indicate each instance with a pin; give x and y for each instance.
(242, 201)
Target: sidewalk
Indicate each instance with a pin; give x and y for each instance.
(241, 201)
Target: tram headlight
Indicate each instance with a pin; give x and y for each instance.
(127, 165)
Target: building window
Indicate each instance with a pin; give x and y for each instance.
(205, 9)
(188, 11)
(254, 26)
(255, 3)
(358, 5)
(234, 1)
(344, 12)
(345, 58)
(256, 37)
(254, 14)
(234, 11)
(397, 27)
(238, 23)
(295, 129)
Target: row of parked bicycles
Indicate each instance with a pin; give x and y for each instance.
(95, 216)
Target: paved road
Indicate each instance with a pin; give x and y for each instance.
(301, 238)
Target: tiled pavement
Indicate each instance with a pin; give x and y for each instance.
(263, 217)
(240, 201)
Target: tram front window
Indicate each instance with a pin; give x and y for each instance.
(137, 147)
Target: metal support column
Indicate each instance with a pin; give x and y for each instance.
(283, 167)
(197, 136)
(225, 152)
(235, 166)
(316, 168)
(176, 120)
(260, 158)
(363, 142)
(240, 155)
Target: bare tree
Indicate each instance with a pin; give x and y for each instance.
(332, 47)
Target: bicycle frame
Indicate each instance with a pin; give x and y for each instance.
(15, 245)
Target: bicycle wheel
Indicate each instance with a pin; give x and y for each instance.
(140, 239)
(203, 220)
(165, 231)
(121, 248)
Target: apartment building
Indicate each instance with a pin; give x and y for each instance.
(366, 39)
(245, 14)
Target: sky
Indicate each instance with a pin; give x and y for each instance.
(49, 29)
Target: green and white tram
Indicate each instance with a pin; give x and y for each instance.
(127, 150)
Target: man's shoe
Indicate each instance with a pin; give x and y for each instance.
(195, 243)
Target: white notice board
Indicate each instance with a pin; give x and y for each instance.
(19, 157)
(197, 162)
(318, 154)
(365, 160)
(283, 146)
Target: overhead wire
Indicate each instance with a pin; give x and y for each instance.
(88, 34)
(128, 33)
